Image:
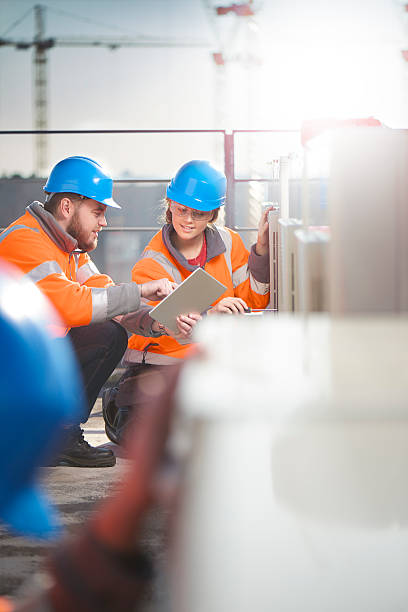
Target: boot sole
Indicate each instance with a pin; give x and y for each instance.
(69, 462)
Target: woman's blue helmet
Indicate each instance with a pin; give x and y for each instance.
(198, 184)
(83, 176)
(39, 382)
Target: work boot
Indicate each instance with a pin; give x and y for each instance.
(78, 453)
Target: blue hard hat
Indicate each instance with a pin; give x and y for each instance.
(199, 185)
(83, 176)
(40, 393)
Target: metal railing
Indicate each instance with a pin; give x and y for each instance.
(229, 146)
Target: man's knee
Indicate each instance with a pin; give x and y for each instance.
(108, 336)
(117, 337)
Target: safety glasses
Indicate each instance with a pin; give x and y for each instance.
(184, 211)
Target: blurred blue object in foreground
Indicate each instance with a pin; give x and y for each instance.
(40, 393)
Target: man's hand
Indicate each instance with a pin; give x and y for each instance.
(262, 243)
(157, 289)
(229, 305)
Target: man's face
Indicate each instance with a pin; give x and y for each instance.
(86, 223)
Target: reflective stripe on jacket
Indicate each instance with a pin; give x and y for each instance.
(47, 255)
(244, 273)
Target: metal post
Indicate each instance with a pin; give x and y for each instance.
(284, 186)
(273, 220)
(230, 174)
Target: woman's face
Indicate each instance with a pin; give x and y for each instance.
(189, 223)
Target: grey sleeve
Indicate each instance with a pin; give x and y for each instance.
(259, 266)
(140, 322)
(122, 299)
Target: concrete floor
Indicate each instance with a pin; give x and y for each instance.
(75, 492)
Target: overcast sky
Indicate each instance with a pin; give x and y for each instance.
(294, 60)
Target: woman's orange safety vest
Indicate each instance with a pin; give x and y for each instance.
(244, 273)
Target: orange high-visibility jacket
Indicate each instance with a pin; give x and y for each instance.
(244, 273)
(47, 255)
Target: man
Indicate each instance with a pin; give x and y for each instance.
(50, 244)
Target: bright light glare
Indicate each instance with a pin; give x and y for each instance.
(302, 81)
(22, 299)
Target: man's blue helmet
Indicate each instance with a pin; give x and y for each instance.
(40, 393)
(83, 176)
(198, 184)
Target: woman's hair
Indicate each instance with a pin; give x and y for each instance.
(166, 216)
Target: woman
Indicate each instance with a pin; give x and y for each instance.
(190, 239)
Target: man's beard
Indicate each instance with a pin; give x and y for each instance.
(74, 229)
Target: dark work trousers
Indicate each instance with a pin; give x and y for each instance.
(99, 347)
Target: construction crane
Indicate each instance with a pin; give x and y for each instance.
(237, 64)
(42, 44)
(236, 58)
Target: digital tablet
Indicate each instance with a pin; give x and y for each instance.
(195, 294)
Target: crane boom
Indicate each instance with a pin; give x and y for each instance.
(40, 44)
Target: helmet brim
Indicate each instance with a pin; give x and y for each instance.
(110, 202)
(191, 202)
